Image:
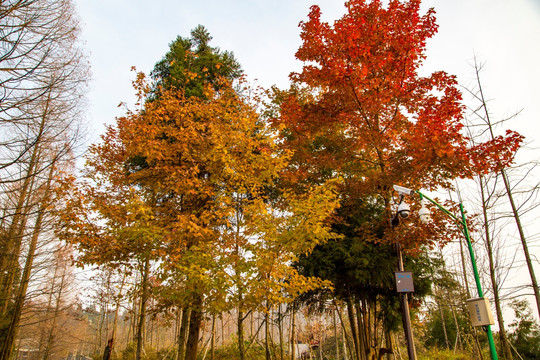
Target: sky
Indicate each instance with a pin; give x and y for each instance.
(264, 35)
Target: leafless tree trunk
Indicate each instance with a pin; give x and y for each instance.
(479, 95)
(9, 339)
(503, 338)
(42, 77)
(62, 263)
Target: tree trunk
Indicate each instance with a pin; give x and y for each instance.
(49, 305)
(11, 334)
(505, 345)
(240, 332)
(280, 332)
(10, 262)
(142, 309)
(443, 323)
(346, 341)
(213, 341)
(354, 331)
(335, 333)
(364, 331)
(509, 193)
(184, 325)
(293, 332)
(267, 332)
(55, 317)
(116, 311)
(195, 322)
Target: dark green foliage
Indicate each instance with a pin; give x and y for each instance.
(449, 298)
(362, 268)
(525, 336)
(434, 334)
(191, 63)
(438, 354)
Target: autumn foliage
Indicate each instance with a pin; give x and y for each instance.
(216, 200)
(360, 108)
(187, 182)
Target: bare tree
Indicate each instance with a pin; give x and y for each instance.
(42, 77)
(494, 189)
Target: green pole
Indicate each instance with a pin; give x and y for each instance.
(492, 349)
(463, 223)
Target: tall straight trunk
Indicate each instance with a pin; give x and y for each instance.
(50, 339)
(251, 321)
(240, 332)
(266, 336)
(509, 193)
(103, 318)
(142, 309)
(389, 344)
(49, 305)
(443, 323)
(335, 333)
(503, 338)
(195, 322)
(184, 325)
(293, 332)
(354, 330)
(10, 262)
(453, 310)
(346, 341)
(457, 343)
(222, 329)
(364, 341)
(11, 334)
(523, 240)
(213, 341)
(116, 311)
(280, 332)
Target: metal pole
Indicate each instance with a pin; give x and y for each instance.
(492, 349)
(411, 350)
(463, 223)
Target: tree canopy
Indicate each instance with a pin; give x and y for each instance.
(192, 62)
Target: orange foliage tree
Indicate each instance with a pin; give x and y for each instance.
(186, 181)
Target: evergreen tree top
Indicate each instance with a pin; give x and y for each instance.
(192, 63)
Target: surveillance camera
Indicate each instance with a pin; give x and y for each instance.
(424, 214)
(403, 190)
(404, 210)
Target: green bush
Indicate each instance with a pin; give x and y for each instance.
(437, 354)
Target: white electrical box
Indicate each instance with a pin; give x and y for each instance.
(480, 312)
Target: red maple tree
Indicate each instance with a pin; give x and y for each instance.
(360, 109)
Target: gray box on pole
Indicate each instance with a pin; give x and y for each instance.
(404, 281)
